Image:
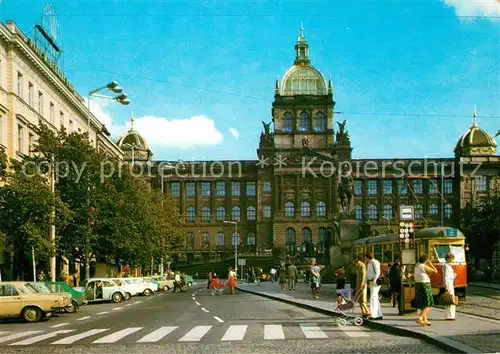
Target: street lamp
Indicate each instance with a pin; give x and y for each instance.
(113, 86)
(235, 223)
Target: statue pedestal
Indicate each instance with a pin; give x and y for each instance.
(349, 232)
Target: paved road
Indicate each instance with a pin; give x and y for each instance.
(197, 322)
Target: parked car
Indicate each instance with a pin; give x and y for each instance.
(188, 279)
(129, 290)
(140, 286)
(78, 298)
(41, 288)
(165, 284)
(153, 284)
(103, 289)
(20, 299)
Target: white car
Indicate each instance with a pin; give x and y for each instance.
(129, 289)
(103, 289)
(139, 286)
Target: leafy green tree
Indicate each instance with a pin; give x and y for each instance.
(482, 227)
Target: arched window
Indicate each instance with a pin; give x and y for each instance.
(190, 214)
(235, 239)
(251, 213)
(419, 211)
(322, 235)
(305, 209)
(306, 240)
(433, 209)
(289, 209)
(320, 122)
(287, 122)
(205, 239)
(251, 239)
(220, 238)
(190, 240)
(205, 214)
(235, 213)
(372, 212)
(290, 240)
(358, 212)
(221, 214)
(448, 211)
(320, 209)
(304, 122)
(388, 211)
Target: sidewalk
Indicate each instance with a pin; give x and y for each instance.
(485, 285)
(468, 334)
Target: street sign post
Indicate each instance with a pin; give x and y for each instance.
(242, 262)
(406, 213)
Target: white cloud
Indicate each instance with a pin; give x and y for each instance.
(163, 132)
(475, 7)
(235, 133)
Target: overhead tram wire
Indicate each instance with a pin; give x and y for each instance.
(270, 101)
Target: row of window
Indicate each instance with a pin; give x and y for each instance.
(388, 212)
(305, 211)
(304, 121)
(306, 236)
(220, 239)
(220, 189)
(416, 186)
(40, 104)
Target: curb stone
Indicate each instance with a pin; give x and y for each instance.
(439, 341)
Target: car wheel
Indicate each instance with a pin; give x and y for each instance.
(147, 292)
(190, 284)
(117, 297)
(165, 288)
(128, 296)
(32, 314)
(72, 308)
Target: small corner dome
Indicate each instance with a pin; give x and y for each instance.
(303, 80)
(476, 141)
(133, 138)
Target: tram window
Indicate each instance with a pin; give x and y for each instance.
(387, 257)
(458, 251)
(378, 253)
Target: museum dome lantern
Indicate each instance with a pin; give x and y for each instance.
(302, 78)
(475, 142)
(134, 146)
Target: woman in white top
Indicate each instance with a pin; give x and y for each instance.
(449, 280)
(423, 291)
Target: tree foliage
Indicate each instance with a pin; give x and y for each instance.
(482, 226)
(131, 221)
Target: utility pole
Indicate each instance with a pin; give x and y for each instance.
(52, 221)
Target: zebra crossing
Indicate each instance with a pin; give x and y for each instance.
(184, 334)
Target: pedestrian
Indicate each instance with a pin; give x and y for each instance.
(360, 286)
(449, 284)
(340, 274)
(372, 276)
(177, 282)
(423, 291)
(231, 279)
(395, 285)
(353, 270)
(292, 276)
(273, 275)
(209, 280)
(314, 278)
(282, 276)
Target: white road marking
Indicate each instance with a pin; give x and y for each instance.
(204, 309)
(18, 335)
(77, 337)
(235, 332)
(354, 332)
(197, 303)
(137, 302)
(42, 337)
(195, 334)
(128, 305)
(312, 331)
(59, 325)
(2, 333)
(117, 335)
(117, 309)
(102, 313)
(150, 298)
(83, 318)
(157, 335)
(273, 332)
(218, 319)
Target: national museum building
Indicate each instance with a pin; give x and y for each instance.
(292, 199)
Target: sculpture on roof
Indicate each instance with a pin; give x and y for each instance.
(267, 128)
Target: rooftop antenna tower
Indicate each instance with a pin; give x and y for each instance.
(48, 36)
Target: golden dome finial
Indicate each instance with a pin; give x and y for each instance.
(474, 122)
(132, 119)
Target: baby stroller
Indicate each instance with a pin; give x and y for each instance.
(217, 286)
(345, 308)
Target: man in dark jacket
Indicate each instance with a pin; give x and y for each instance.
(395, 285)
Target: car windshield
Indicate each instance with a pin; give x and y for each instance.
(457, 250)
(31, 288)
(119, 282)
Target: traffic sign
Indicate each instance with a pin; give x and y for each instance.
(406, 212)
(242, 261)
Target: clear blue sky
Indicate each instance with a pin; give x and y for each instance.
(406, 73)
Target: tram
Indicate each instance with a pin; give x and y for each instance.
(435, 242)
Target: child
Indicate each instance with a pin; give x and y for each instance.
(340, 300)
